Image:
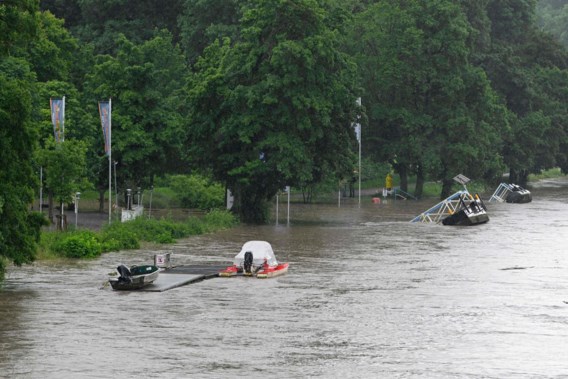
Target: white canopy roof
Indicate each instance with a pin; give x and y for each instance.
(260, 250)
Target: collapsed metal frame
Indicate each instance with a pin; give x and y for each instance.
(448, 206)
(501, 193)
(443, 209)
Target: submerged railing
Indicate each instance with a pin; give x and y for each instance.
(501, 192)
(443, 209)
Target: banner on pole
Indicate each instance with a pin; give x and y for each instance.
(58, 118)
(357, 128)
(357, 125)
(104, 112)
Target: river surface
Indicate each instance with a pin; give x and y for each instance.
(368, 295)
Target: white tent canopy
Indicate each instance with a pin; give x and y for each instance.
(260, 250)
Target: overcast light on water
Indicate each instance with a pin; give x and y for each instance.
(368, 295)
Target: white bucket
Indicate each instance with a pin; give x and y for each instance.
(163, 260)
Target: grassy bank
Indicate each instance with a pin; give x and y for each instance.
(84, 243)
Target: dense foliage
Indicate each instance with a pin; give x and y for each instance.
(286, 99)
(258, 95)
(19, 228)
(552, 16)
(128, 235)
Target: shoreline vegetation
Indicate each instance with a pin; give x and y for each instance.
(85, 243)
(88, 244)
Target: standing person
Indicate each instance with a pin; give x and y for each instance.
(388, 182)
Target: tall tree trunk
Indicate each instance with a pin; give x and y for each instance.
(513, 178)
(446, 188)
(403, 174)
(251, 206)
(523, 178)
(418, 190)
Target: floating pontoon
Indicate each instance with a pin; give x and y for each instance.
(461, 208)
(511, 193)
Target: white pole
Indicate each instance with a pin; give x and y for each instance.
(151, 193)
(360, 139)
(339, 198)
(109, 160)
(76, 207)
(41, 189)
(115, 187)
(288, 215)
(359, 174)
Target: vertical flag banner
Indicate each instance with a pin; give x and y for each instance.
(58, 118)
(104, 111)
(357, 125)
(357, 128)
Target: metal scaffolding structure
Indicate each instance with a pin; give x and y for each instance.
(444, 208)
(501, 193)
(449, 206)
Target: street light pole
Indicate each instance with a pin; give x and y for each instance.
(151, 192)
(77, 197)
(115, 187)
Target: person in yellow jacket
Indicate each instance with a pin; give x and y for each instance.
(388, 182)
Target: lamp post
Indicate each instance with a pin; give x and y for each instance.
(151, 192)
(77, 197)
(115, 187)
(138, 193)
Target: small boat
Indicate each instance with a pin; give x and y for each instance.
(134, 278)
(471, 213)
(271, 271)
(518, 195)
(256, 258)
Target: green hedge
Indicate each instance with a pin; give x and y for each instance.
(128, 235)
(78, 244)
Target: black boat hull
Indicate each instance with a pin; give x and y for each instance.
(463, 218)
(519, 197)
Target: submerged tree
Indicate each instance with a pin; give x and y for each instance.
(19, 226)
(529, 69)
(66, 169)
(431, 112)
(275, 108)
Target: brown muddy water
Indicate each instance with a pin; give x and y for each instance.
(368, 295)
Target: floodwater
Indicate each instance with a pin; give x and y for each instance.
(368, 295)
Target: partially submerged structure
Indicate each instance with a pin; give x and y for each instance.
(461, 208)
(511, 193)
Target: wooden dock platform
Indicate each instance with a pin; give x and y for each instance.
(182, 275)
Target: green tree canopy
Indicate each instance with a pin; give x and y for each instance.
(275, 108)
(65, 168)
(102, 21)
(143, 81)
(204, 21)
(520, 62)
(19, 227)
(430, 111)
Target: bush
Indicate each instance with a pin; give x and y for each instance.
(195, 191)
(127, 235)
(220, 219)
(79, 244)
(114, 238)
